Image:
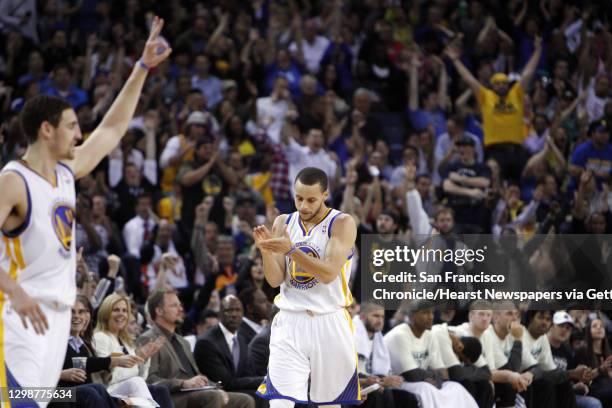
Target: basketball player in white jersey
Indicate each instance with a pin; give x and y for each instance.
(308, 254)
(37, 213)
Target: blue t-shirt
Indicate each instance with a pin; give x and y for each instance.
(589, 158)
(420, 119)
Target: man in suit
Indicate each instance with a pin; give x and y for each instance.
(256, 310)
(222, 354)
(174, 366)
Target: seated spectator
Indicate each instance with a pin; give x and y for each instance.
(536, 342)
(256, 313)
(111, 339)
(173, 365)
(207, 320)
(222, 355)
(564, 357)
(598, 356)
(87, 393)
(259, 347)
(415, 356)
(375, 362)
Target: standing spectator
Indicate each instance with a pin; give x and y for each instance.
(206, 174)
(271, 110)
(446, 150)
(465, 182)
(313, 154)
(309, 47)
(208, 84)
(502, 109)
(594, 155)
(20, 15)
(63, 86)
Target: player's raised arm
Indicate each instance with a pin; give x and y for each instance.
(273, 263)
(13, 193)
(114, 124)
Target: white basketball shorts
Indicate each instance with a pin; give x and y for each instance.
(319, 348)
(28, 359)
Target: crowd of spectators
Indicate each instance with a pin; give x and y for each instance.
(452, 117)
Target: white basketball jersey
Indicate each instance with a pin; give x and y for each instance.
(301, 291)
(41, 254)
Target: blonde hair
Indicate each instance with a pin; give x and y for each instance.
(104, 314)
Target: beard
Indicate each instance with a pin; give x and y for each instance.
(314, 214)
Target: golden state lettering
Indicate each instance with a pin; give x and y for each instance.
(63, 222)
(504, 108)
(300, 279)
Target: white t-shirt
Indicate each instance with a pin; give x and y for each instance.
(540, 351)
(498, 350)
(409, 352)
(313, 53)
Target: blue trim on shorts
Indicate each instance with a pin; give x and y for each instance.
(272, 393)
(349, 394)
(11, 382)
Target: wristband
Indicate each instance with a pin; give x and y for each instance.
(291, 251)
(143, 65)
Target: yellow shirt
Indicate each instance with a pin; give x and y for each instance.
(502, 119)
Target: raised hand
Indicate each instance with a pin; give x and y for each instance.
(156, 48)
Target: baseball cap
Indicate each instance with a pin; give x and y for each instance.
(499, 77)
(560, 318)
(197, 118)
(600, 125)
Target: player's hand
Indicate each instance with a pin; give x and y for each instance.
(261, 233)
(75, 375)
(156, 48)
(279, 245)
(29, 310)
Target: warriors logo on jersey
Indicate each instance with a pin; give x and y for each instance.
(300, 279)
(63, 219)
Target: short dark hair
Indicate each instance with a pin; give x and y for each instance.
(247, 296)
(207, 314)
(530, 314)
(39, 109)
(472, 349)
(312, 175)
(155, 300)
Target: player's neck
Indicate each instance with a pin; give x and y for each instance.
(41, 162)
(317, 218)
